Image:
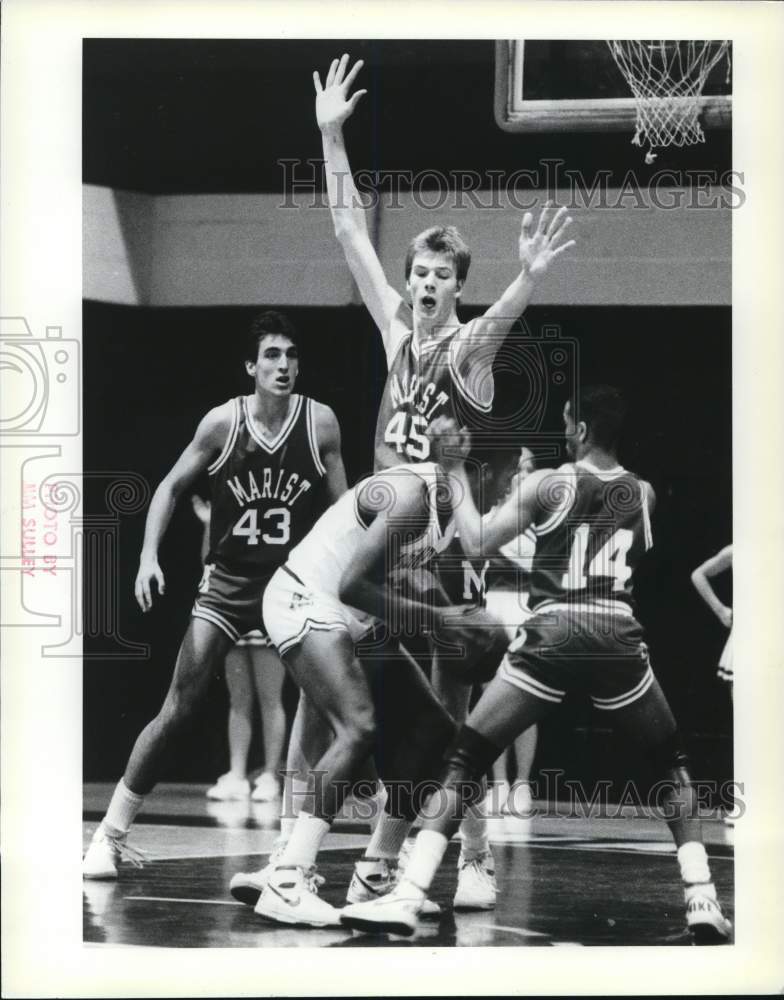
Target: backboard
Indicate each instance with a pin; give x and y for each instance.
(575, 85)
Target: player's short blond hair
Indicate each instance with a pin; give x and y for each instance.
(441, 239)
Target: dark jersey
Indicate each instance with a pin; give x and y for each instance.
(592, 536)
(264, 496)
(423, 383)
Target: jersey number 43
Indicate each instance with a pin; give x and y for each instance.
(280, 526)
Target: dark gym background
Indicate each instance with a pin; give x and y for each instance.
(198, 117)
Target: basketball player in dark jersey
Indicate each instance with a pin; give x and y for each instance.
(437, 366)
(268, 456)
(591, 522)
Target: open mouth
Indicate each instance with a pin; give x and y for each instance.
(427, 302)
(283, 381)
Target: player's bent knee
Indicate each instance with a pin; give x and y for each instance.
(181, 705)
(467, 760)
(358, 732)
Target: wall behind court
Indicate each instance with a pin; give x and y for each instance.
(192, 250)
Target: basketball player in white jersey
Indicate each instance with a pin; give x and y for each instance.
(266, 454)
(591, 522)
(334, 586)
(437, 366)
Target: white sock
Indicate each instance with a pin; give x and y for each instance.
(473, 830)
(305, 840)
(388, 837)
(694, 863)
(295, 800)
(379, 800)
(123, 808)
(426, 857)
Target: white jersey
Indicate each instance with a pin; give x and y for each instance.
(330, 547)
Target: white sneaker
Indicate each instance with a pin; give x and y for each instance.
(371, 880)
(266, 788)
(374, 879)
(246, 887)
(476, 888)
(105, 853)
(229, 788)
(704, 918)
(395, 913)
(291, 897)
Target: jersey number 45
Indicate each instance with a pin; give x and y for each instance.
(403, 432)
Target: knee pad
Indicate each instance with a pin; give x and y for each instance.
(467, 761)
(670, 760)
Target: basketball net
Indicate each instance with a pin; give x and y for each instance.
(666, 81)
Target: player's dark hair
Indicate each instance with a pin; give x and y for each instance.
(500, 460)
(441, 239)
(602, 408)
(267, 324)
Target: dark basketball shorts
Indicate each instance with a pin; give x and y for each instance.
(584, 648)
(233, 604)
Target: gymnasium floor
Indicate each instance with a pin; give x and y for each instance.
(564, 881)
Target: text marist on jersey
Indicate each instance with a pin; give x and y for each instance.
(286, 488)
(419, 393)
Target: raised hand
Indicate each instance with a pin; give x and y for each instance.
(449, 444)
(333, 105)
(540, 247)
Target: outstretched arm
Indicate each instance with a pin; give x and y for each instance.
(482, 536)
(333, 108)
(482, 338)
(203, 449)
(701, 579)
(328, 437)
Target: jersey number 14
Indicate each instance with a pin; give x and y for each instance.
(609, 561)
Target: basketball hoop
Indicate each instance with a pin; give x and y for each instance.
(667, 80)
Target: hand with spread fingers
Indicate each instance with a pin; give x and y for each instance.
(333, 105)
(540, 247)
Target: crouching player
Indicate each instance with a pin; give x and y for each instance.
(336, 584)
(591, 522)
